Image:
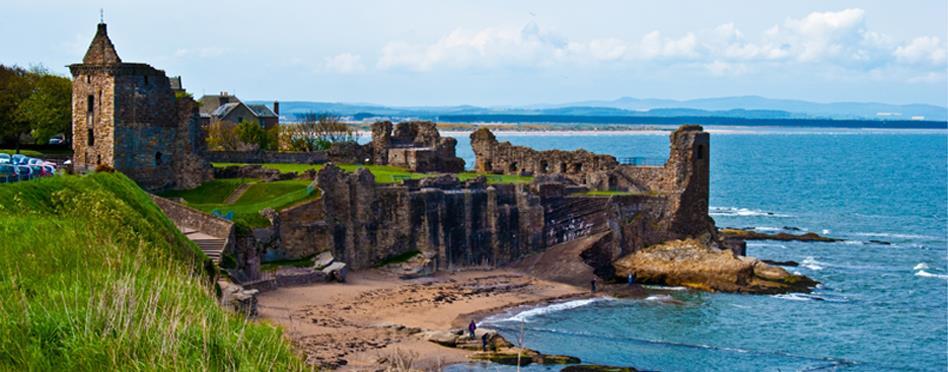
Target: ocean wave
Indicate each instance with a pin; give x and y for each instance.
(921, 266)
(798, 297)
(926, 274)
(663, 297)
(664, 288)
(811, 263)
(763, 245)
(527, 315)
(896, 235)
(743, 212)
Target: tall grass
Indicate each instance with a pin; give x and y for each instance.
(94, 277)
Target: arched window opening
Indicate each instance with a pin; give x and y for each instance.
(544, 167)
(513, 167)
(578, 168)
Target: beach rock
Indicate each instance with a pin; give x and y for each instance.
(510, 357)
(443, 338)
(692, 263)
(597, 368)
(322, 260)
(337, 271)
(780, 263)
(747, 234)
(548, 360)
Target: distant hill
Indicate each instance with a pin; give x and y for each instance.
(744, 107)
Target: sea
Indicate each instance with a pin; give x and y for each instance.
(883, 301)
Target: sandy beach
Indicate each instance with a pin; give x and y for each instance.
(375, 315)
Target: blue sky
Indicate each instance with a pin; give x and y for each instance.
(508, 52)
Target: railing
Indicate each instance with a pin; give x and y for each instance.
(643, 161)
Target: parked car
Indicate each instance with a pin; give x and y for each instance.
(4, 158)
(58, 139)
(24, 172)
(7, 173)
(49, 170)
(18, 159)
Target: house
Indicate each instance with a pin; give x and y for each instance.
(226, 107)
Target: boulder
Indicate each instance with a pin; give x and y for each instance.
(322, 260)
(443, 338)
(694, 264)
(237, 298)
(336, 271)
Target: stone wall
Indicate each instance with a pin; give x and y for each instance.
(505, 158)
(258, 157)
(414, 145)
(186, 216)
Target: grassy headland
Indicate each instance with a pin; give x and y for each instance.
(94, 277)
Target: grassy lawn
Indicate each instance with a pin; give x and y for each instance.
(386, 174)
(94, 277)
(30, 153)
(277, 195)
(208, 193)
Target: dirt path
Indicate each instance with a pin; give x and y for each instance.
(238, 192)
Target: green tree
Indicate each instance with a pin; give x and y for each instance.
(251, 133)
(47, 108)
(14, 89)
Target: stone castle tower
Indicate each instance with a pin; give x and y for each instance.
(126, 116)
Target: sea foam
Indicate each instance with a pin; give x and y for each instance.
(527, 315)
(743, 212)
(811, 263)
(926, 274)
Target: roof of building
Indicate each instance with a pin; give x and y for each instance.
(101, 51)
(225, 109)
(262, 111)
(210, 103)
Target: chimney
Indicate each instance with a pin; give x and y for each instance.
(276, 108)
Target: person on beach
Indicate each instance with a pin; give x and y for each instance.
(631, 280)
(471, 327)
(593, 284)
(484, 342)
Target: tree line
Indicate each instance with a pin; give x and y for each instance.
(315, 132)
(34, 105)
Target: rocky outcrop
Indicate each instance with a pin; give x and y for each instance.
(746, 234)
(497, 349)
(693, 263)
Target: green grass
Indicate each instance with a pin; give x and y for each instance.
(386, 174)
(606, 193)
(302, 262)
(94, 277)
(404, 257)
(260, 195)
(30, 153)
(210, 192)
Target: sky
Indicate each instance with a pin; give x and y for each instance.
(507, 53)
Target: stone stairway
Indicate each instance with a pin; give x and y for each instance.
(212, 246)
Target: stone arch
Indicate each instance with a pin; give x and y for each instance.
(514, 167)
(544, 166)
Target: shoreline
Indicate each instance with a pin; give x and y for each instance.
(377, 317)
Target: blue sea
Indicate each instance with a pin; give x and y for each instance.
(882, 305)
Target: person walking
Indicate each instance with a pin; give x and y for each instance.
(471, 328)
(631, 279)
(592, 284)
(484, 342)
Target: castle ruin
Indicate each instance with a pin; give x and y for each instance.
(128, 117)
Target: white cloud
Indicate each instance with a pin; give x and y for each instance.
(925, 49)
(831, 41)
(345, 63)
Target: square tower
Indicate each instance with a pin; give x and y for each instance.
(126, 116)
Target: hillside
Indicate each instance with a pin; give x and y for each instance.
(94, 277)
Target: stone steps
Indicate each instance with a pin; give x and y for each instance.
(212, 246)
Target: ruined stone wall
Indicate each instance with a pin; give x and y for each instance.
(303, 231)
(186, 216)
(414, 145)
(505, 158)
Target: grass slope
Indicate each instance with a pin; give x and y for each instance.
(94, 277)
